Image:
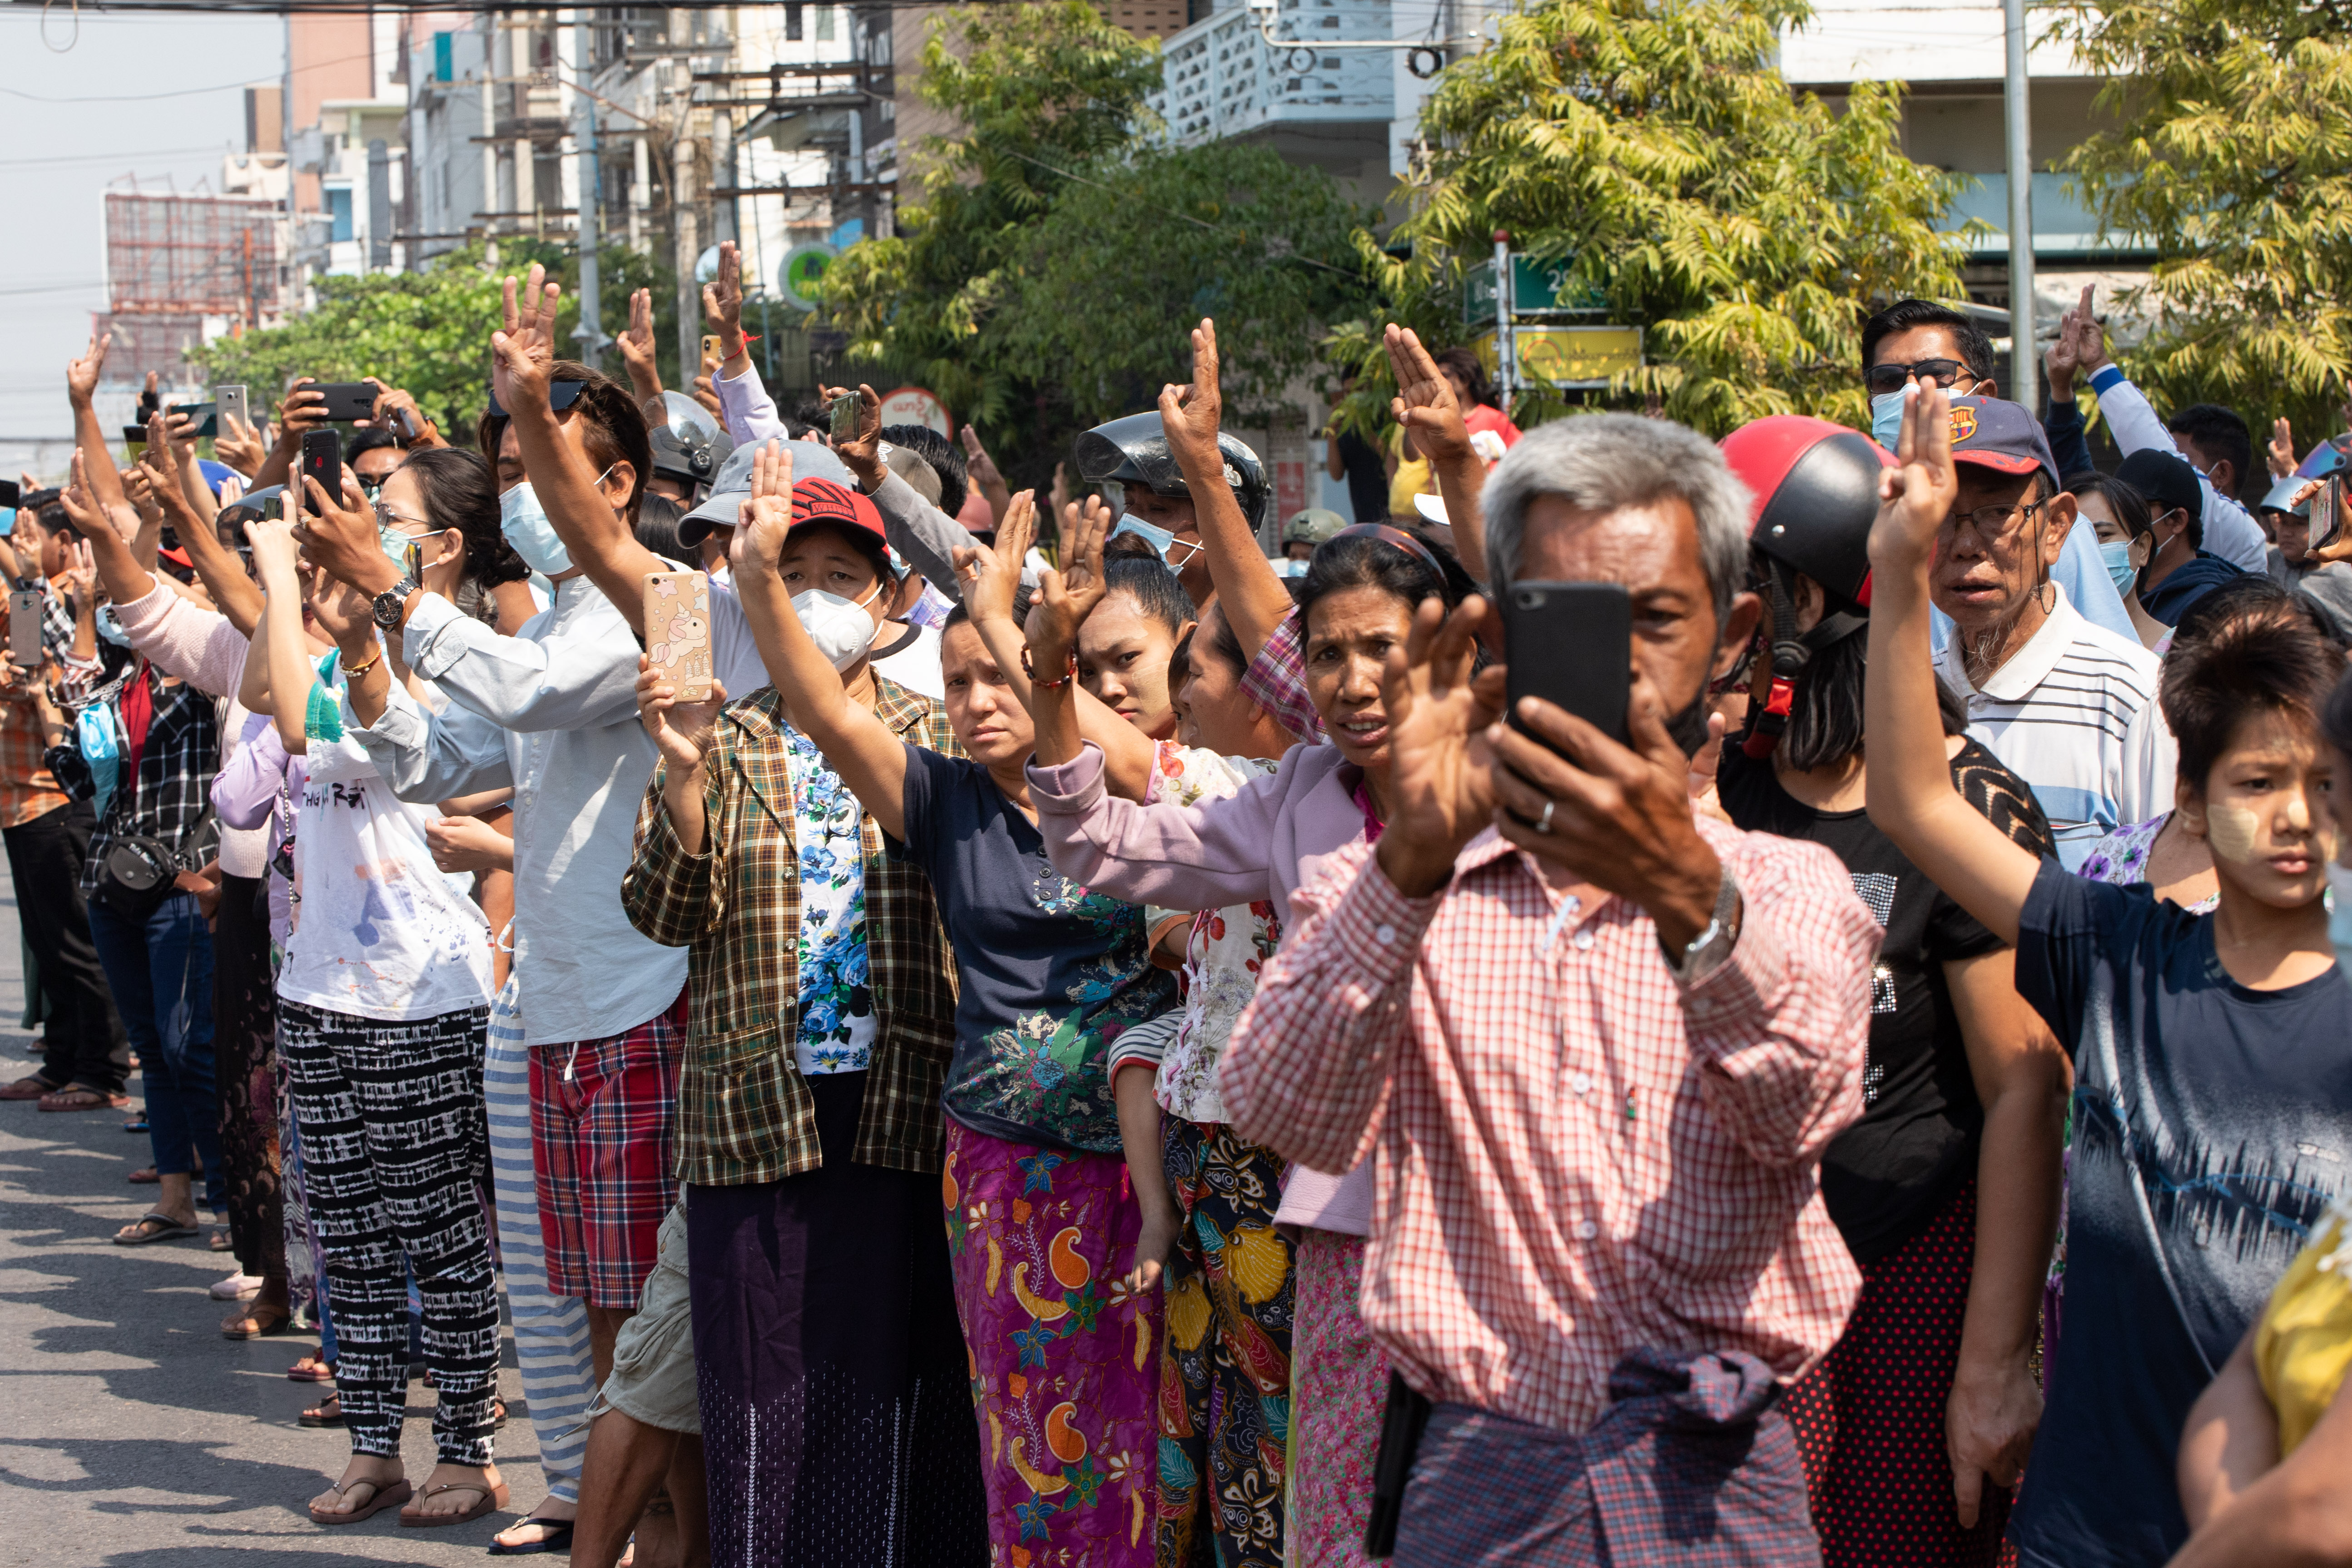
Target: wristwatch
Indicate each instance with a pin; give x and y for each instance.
(1714, 944)
(385, 607)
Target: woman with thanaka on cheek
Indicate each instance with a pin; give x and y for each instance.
(2213, 1081)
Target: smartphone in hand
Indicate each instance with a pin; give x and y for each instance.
(322, 460)
(348, 400)
(230, 401)
(1571, 644)
(678, 631)
(841, 414)
(24, 628)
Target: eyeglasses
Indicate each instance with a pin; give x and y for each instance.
(1883, 379)
(1992, 522)
(385, 516)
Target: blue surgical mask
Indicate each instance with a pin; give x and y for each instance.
(1886, 418)
(395, 545)
(2339, 915)
(524, 522)
(1159, 538)
(2121, 571)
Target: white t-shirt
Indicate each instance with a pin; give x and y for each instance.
(379, 933)
(914, 667)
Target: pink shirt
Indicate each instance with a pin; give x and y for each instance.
(1575, 1153)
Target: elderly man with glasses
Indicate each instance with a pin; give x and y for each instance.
(2068, 706)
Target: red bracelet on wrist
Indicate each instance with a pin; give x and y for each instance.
(1035, 679)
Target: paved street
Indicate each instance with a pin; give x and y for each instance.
(131, 1434)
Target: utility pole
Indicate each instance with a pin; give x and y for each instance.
(1506, 339)
(685, 207)
(2023, 380)
(591, 329)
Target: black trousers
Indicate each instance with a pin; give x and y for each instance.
(245, 1076)
(85, 1038)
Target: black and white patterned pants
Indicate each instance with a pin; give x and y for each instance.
(395, 1145)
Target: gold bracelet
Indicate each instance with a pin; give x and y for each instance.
(351, 670)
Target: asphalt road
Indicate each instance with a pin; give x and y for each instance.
(131, 1434)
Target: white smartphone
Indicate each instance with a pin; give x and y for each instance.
(231, 400)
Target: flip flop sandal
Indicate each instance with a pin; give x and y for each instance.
(31, 1087)
(80, 1097)
(221, 1242)
(271, 1324)
(316, 1371)
(153, 1227)
(379, 1499)
(493, 1498)
(557, 1539)
(144, 1176)
(319, 1416)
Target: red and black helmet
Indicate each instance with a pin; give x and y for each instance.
(1816, 490)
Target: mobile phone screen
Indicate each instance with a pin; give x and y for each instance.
(843, 413)
(24, 628)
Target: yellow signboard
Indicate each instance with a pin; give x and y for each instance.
(1569, 356)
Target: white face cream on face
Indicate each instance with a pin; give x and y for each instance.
(2231, 830)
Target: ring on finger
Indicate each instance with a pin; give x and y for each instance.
(1543, 822)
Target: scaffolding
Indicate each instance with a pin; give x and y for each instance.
(182, 254)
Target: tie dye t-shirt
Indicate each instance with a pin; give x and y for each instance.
(2212, 1127)
(1051, 973)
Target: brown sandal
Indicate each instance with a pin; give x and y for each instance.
(259, 1322)
(32, 1086)
(81, 1096)
(494, 1497)
(383, 1496)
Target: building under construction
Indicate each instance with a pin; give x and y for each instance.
(182, 266)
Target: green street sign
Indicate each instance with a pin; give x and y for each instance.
(1536, 291)
(804, 265)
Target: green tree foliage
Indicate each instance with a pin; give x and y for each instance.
(2232, 154)
(1047, 276)
(429, 330)
(1656, 149)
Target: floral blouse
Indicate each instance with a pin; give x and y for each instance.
(1224, 954)
(837, 1022)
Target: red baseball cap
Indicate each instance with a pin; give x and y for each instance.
(829, 500)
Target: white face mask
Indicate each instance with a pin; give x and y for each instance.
(2339, 915)
(840, 628)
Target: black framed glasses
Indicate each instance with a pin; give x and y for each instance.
(1883, 379)
(1995, 522)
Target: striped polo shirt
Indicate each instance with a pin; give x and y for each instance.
(2073, 714)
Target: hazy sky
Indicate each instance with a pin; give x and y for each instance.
(158, 96)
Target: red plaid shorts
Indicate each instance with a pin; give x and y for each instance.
(601, 1113)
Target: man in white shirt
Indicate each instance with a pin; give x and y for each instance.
(2068, 706)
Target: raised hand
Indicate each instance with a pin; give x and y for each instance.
(707, 394)
(1191, 412)
(2281, 451)
(1067, 596)
(2063, 357)
(976, 460)
(863, 451)
(343, 611)
(523, 353)
(1441, 791)
(679, 731)
(81, 574)
(1917, 493)
(239, 446)
(988, 575)
(2090, 338)
(722, 302)
(81, 374)
(636, 346)
(396, 411)
(82, 507)
(1424, 404)
(344, 539)
(302, 410)
(762, 521)
(275, 555)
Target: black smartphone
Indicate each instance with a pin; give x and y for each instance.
(348, 399)
(2327, 514)
(1571, 644)
(841, 414)
(134, 435)
(322, 460)
(206, 415)
(10, 496)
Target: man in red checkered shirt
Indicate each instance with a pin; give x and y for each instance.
(1595, 1044)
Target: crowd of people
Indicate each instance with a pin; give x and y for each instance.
(1112, 1029)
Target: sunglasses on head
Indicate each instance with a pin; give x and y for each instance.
(1883, 379)
(561, 395)
(1394, 537)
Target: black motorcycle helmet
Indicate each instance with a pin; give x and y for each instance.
(1134, 451)
(688, 444)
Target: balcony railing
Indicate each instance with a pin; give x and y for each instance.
(1223, 79)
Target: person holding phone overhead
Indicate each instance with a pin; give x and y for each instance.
(1600, 1044)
